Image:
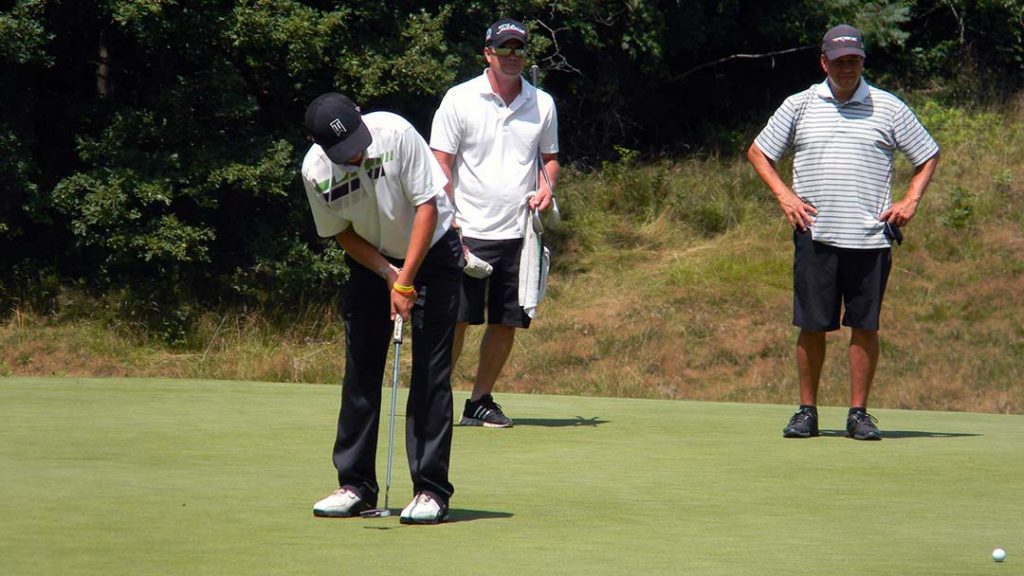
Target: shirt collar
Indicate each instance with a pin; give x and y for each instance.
(483, 84)
(860, 95)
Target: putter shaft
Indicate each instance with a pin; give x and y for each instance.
(397, 338)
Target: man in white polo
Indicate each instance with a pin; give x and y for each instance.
(486, 135)
(845, 134)
(373, 184)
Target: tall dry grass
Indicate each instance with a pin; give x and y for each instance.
(672, 280)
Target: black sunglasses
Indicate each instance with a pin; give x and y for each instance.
(503, 51)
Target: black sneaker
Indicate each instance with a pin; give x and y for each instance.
(485, 412)
(803, 424)
(861, 426)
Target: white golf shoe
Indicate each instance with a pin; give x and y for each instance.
(342, 503)
(424, 509)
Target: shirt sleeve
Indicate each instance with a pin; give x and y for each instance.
(446, 128)
(422, 177)
(317, 180)
(912, 137)
(777, 136)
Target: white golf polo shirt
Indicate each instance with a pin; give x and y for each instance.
(844, 157)
(495, 148)
(378, 199)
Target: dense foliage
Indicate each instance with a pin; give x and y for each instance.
(152, 146)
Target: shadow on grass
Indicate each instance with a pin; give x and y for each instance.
(464, 515)
(454, 516)
(900, 434)
(560, 422)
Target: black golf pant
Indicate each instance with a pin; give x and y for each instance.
(366, 308)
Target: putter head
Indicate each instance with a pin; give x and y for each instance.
(375, 513)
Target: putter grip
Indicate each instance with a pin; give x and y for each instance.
(397, 336)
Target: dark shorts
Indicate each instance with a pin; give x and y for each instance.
(826, 278)
(499, 292)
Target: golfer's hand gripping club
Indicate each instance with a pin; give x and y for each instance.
(402, 302)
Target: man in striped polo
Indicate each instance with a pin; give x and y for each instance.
(845, 134)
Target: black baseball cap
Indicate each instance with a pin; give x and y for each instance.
(842, 40)
(336, 125)
(504, 30)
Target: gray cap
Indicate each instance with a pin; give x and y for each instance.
(842, 40)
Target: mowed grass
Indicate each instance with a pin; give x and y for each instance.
(134, 476)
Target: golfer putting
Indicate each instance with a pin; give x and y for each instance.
(373, 184)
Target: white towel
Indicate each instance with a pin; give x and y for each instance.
(534, 260)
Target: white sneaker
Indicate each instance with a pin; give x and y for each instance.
(342, 503)
(424, 509)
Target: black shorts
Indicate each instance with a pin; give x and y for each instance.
(826, 277)
(499, 292)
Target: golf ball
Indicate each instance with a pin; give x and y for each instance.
(999, 554)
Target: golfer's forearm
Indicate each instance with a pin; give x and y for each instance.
(922, 177)
(765, 168)
(445, 160)
(423, 225)
(363, 252)
(553, 168)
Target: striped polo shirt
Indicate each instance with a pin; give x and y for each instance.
(844, 153)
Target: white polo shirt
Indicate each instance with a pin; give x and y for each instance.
(495, 148)
(844, 157)
(378, 199)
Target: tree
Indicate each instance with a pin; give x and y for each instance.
(155, 144)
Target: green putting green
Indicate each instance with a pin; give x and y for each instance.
(131, 476)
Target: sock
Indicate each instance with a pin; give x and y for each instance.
(854, 410)
(813, 409)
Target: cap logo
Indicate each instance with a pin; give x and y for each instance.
(338, 127)
(845, 39)
(509, 26)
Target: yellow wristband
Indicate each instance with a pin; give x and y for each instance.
(402, 288)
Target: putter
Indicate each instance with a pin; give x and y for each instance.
(554, 215)
(385, 511)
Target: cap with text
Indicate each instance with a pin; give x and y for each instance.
(335, 123)
(504, 30)
(842, 40)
